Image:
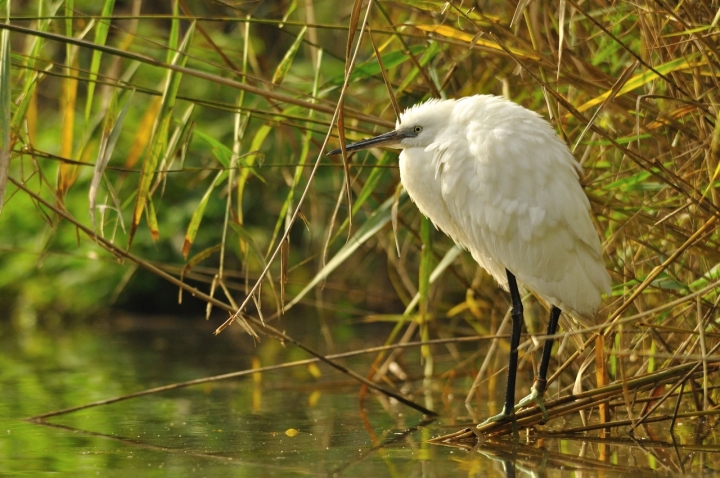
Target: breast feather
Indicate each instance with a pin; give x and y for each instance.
(524, 210)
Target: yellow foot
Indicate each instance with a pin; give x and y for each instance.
(535, 398)
(497, 418)
(501, 417)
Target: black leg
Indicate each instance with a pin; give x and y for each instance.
(541, 379)
(517, 321)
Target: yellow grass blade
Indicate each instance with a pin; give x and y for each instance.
(643, 78)
(158, 143)
(454, 34)
(68, 172)
(143, 132)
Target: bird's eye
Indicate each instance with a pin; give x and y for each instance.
(417, 129)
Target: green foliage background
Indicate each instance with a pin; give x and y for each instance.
(214, 115)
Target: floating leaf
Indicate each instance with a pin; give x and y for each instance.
(314, 370)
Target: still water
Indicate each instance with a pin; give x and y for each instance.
(302, 421)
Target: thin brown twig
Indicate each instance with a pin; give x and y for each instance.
(244, 373)
(265, 328)
(271, 95)
(337, 113)
(623, 423)
(582, 401)
(674, 387)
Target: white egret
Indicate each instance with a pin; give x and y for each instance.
(497, 179)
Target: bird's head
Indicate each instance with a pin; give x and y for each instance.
(417, 127)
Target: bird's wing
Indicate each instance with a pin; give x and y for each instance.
(512, 190)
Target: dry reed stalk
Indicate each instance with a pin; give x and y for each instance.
(595, 398)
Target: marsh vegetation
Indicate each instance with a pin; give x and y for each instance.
(173, 153)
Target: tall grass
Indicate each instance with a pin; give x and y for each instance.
(194, 139)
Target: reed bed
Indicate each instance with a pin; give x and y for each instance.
(191, 143)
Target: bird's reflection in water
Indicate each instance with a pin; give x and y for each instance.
(624, 456)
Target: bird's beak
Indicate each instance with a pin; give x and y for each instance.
(389, 139)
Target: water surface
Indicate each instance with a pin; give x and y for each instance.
(302, 421)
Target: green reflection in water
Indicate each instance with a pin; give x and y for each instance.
(238, 427)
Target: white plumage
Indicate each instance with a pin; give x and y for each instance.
(496, 178)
